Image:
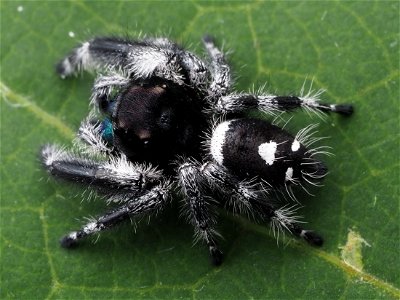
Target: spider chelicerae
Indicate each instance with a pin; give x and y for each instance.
(163, 119)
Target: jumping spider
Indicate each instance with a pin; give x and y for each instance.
(163, 119)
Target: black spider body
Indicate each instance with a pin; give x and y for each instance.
(154, 115)
(162, 119)
(256, 148)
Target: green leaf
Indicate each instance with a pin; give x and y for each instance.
(349, 48)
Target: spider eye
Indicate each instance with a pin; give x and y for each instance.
(134, 138)
(166, 119)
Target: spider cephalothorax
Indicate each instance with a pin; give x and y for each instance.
(154, 110)
(156, 114)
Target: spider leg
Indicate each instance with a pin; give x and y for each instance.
(95, 137)
(238, 193)
(151, 201)
(96, 54)
(115, 176)
(221, 76)
(272, 104)
(103, 87)
(190, 179)
(245, 197)
(195, 69)
(138, 59)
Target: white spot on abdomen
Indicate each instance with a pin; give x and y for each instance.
(218, 141)
(295, 145)
(267, 152)
(289, 174)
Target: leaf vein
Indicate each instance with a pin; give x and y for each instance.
(328, 257)
(17, 99)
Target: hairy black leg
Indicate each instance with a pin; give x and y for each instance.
(137, 59)
(284, 218)
(152, 201)
(95, 137)
(237, 193)
(246, 198)
(116, 175)
(272, 104)
(94, 54)
(195, 69)
(199, 210)
(309, 236)
(221, 77)
(103, 88)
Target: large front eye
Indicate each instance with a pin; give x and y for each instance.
(133, 139)
(146, 142)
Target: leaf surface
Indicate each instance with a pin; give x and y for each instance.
(351, 49)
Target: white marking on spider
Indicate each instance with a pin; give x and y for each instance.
(82, 54)
(289, 174)
(71, 34)
(267, 152)
(51, 153)
(126, 172)
(91, 227)
(20, 8)
(145, 62)
(90, 133)
(295, 145)
(73, 235)
(218, 141)
(83, 60)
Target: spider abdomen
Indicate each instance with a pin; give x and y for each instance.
(252, 147)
